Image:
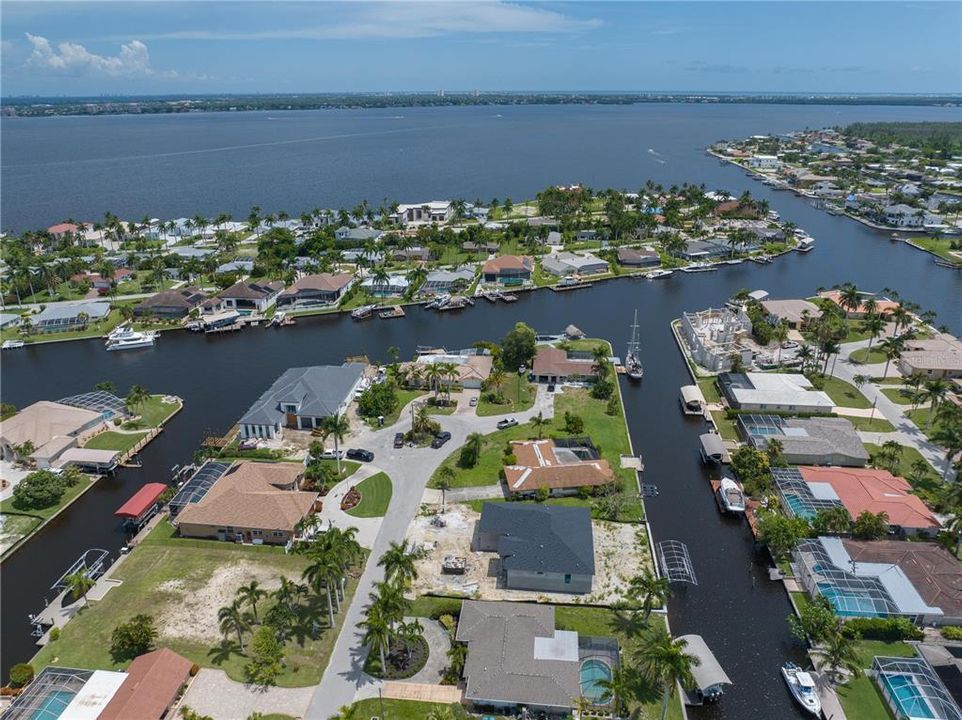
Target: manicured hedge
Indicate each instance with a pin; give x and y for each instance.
(885, 629)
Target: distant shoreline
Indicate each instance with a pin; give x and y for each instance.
(175, 104)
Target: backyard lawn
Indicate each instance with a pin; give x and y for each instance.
(403, 398)
(902, 396)
(860, 696)
(943, 247)
(863, 356)
(153, 413)
(389, 709)
(726, 426)
(844, 394)
(375, 496)
(710, 390)
(111, 440)
(529, 391)
(182, 584)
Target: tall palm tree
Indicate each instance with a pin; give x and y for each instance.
(540, 422)
(496, 380)
(79, 584)
(850, 298)
(137, 396)
(322, 574)
(446, 477)
(892, 347)
(619, 689)
(336, 426)
(250, 594)
(664, 662)
(646, 592)
(948, 436)
(416, 277)
(377, 631)
(874, 325)
(232, 620)
(839, 653)
(398, 563)
(935, 391)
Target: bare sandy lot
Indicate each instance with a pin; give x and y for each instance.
(621, 551)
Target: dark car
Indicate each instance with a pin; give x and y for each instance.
(440, 439)
(399, 440)
(360, 454)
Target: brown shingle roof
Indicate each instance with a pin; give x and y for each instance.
(508, 262)
(187, 298)
(152, 685)
(247, 290)
(325, 282)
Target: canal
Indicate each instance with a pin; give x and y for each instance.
(735, 607)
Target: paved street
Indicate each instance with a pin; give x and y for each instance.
(410, 469)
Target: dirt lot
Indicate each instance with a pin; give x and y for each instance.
(190, 610)
(621, 551)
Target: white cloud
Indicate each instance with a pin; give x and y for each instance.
(414, 20)
(133, 60)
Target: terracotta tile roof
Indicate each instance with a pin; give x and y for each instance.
(253, 495)
(538, 465)
(518, 263)
(862, 489)
(153, 682)
(326, 282)
(554, 361)
(881, 306)
(62, 228)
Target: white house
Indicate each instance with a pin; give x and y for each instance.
(435, 211)
(764, 162)
(902, 215)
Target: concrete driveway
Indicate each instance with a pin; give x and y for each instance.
(213, 693)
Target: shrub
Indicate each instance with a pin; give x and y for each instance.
(951, 632)
(41, 489)
(54, 634)
(509, 459)
(20, 674)
(543, 494)
(132, 638)
(885, 629)
(379, 399)
(574, 424)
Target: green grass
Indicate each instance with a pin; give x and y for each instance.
(877, 424)
(98, 329)
(23, 523)
(901, 396)
(844, 394)
(925, 486)
(487, 470)
(710, 390)
(153, 413)
(388, 709)
(375, 496)
(863, 356)
(921, 419)
(85, 641)
(111, 440)
(860, 697)
(7, 505)
(726, 426)
(529, 391)
(855, 331)
(403, 398)
(940, 246)
(434, 606)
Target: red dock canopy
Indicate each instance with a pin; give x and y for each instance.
(142, 501)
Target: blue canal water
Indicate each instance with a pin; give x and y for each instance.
(465, 152)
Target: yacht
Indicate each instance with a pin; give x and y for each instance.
(11, 344)
(362, 312)
(633, 367)
(659, 273)
(699, 267)
(802, 686)
(731, 497)
(125, 337)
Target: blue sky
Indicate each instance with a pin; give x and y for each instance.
(77, 48)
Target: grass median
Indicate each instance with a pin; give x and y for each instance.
(375, 497)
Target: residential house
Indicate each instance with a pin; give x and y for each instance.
(100, 283)
(508, 270)
(417, 253)
(554, 239)
(629, 257)
(902, 215)
(715, 337)
(517, 661)
(65, 230)
(936, 357)
(239, 267)
(705, 250)
(358, 256)
(63, 317)
(357, 235)
(564, 264)
(153, 686)
(764, 162)
(9, 321)
(794, 313)
(883, 306)
(773, 391)
(251, 502)
(41, 432)
(171, 303)
(443, 281)
(556, 365)
(315, 290)
(541, 547)
(471, 368)
(301, 398)
(249, 295)
(562, 467)
(395, 285)
(586, 235)
(435, 211)
(485, 247)
(806, 441)
(805, 490)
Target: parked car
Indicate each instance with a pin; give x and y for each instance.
(360, 454)
(507, 423)
(551, 387)
(473, 401)
(789, 345)
(441, 438)
(330, 455)
(399, 440)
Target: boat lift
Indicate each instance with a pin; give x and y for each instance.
(92, 564)
(674, 561)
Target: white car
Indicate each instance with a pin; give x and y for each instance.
(331, 455)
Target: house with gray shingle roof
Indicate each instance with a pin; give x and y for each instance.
(301, 398)
(541, 547)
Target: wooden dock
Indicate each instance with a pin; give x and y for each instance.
(396, 312)
(570, 286)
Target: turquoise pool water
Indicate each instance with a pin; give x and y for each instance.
(906, 695)
(594, 670)
(53, 705)
(848, 603)
(798, 507)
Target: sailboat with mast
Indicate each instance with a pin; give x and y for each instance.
(633, 368)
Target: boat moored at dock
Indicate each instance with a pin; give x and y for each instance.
(12, 344)
(124, 337)
(659, 273)
(633, 367)
(731, 497)
(363, 312)
(802, 686)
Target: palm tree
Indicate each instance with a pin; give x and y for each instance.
(540, 422)
(336, 426)
(839, 653)
(496, 380)
(233, 620)
(935, 391)
(648, 591)
(620, 688)
(346, 712)
(780, 335)
(948, 436)
(664, 662)
(249, 595)
(377, 631)
(137, 396)
(322, 573)
(440, 713)
(892, 347)
(398, 564)
(850, 298)
(446, 477)
(874, 325)
(79, 584)
(416, 277)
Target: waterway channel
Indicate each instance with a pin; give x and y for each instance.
(735, 607)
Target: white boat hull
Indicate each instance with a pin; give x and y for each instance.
(807, 699)
(130, 345)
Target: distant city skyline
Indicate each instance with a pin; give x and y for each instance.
(80, 48)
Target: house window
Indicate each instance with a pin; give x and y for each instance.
(290, 408)
(256, 532)
(567, 578)
(230, 528)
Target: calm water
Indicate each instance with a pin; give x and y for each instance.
(739, 612)
(171, 166)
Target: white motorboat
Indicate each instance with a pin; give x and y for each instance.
(11, 344)
(699, 267)
(802, 686)
(659, 273)
(365, 311)
(125, 337)
(633, 367)
(731, 496)
(734, 261)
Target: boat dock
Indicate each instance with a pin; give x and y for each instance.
(395, 312)
(570, 286)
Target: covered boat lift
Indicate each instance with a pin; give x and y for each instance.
(692, 400)
(710, 679)
(713, 448)
(142, 506)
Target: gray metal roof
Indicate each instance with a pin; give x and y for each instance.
(828, 438)
(501, 666)
(541, 538)
(318, 390)
(708, 672)
(62, 311)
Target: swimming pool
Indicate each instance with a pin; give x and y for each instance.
(905, 693)
(53, 705)
(594, 671)
(848, 603)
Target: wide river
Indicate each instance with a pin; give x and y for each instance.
(167, 166)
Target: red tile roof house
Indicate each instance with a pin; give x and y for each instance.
(249, 295)
(315, 290)
(63, 229)
(508, 270)
(99, 282)
(154, 683)
(541, 463)
(861, 489)
(554, 365)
